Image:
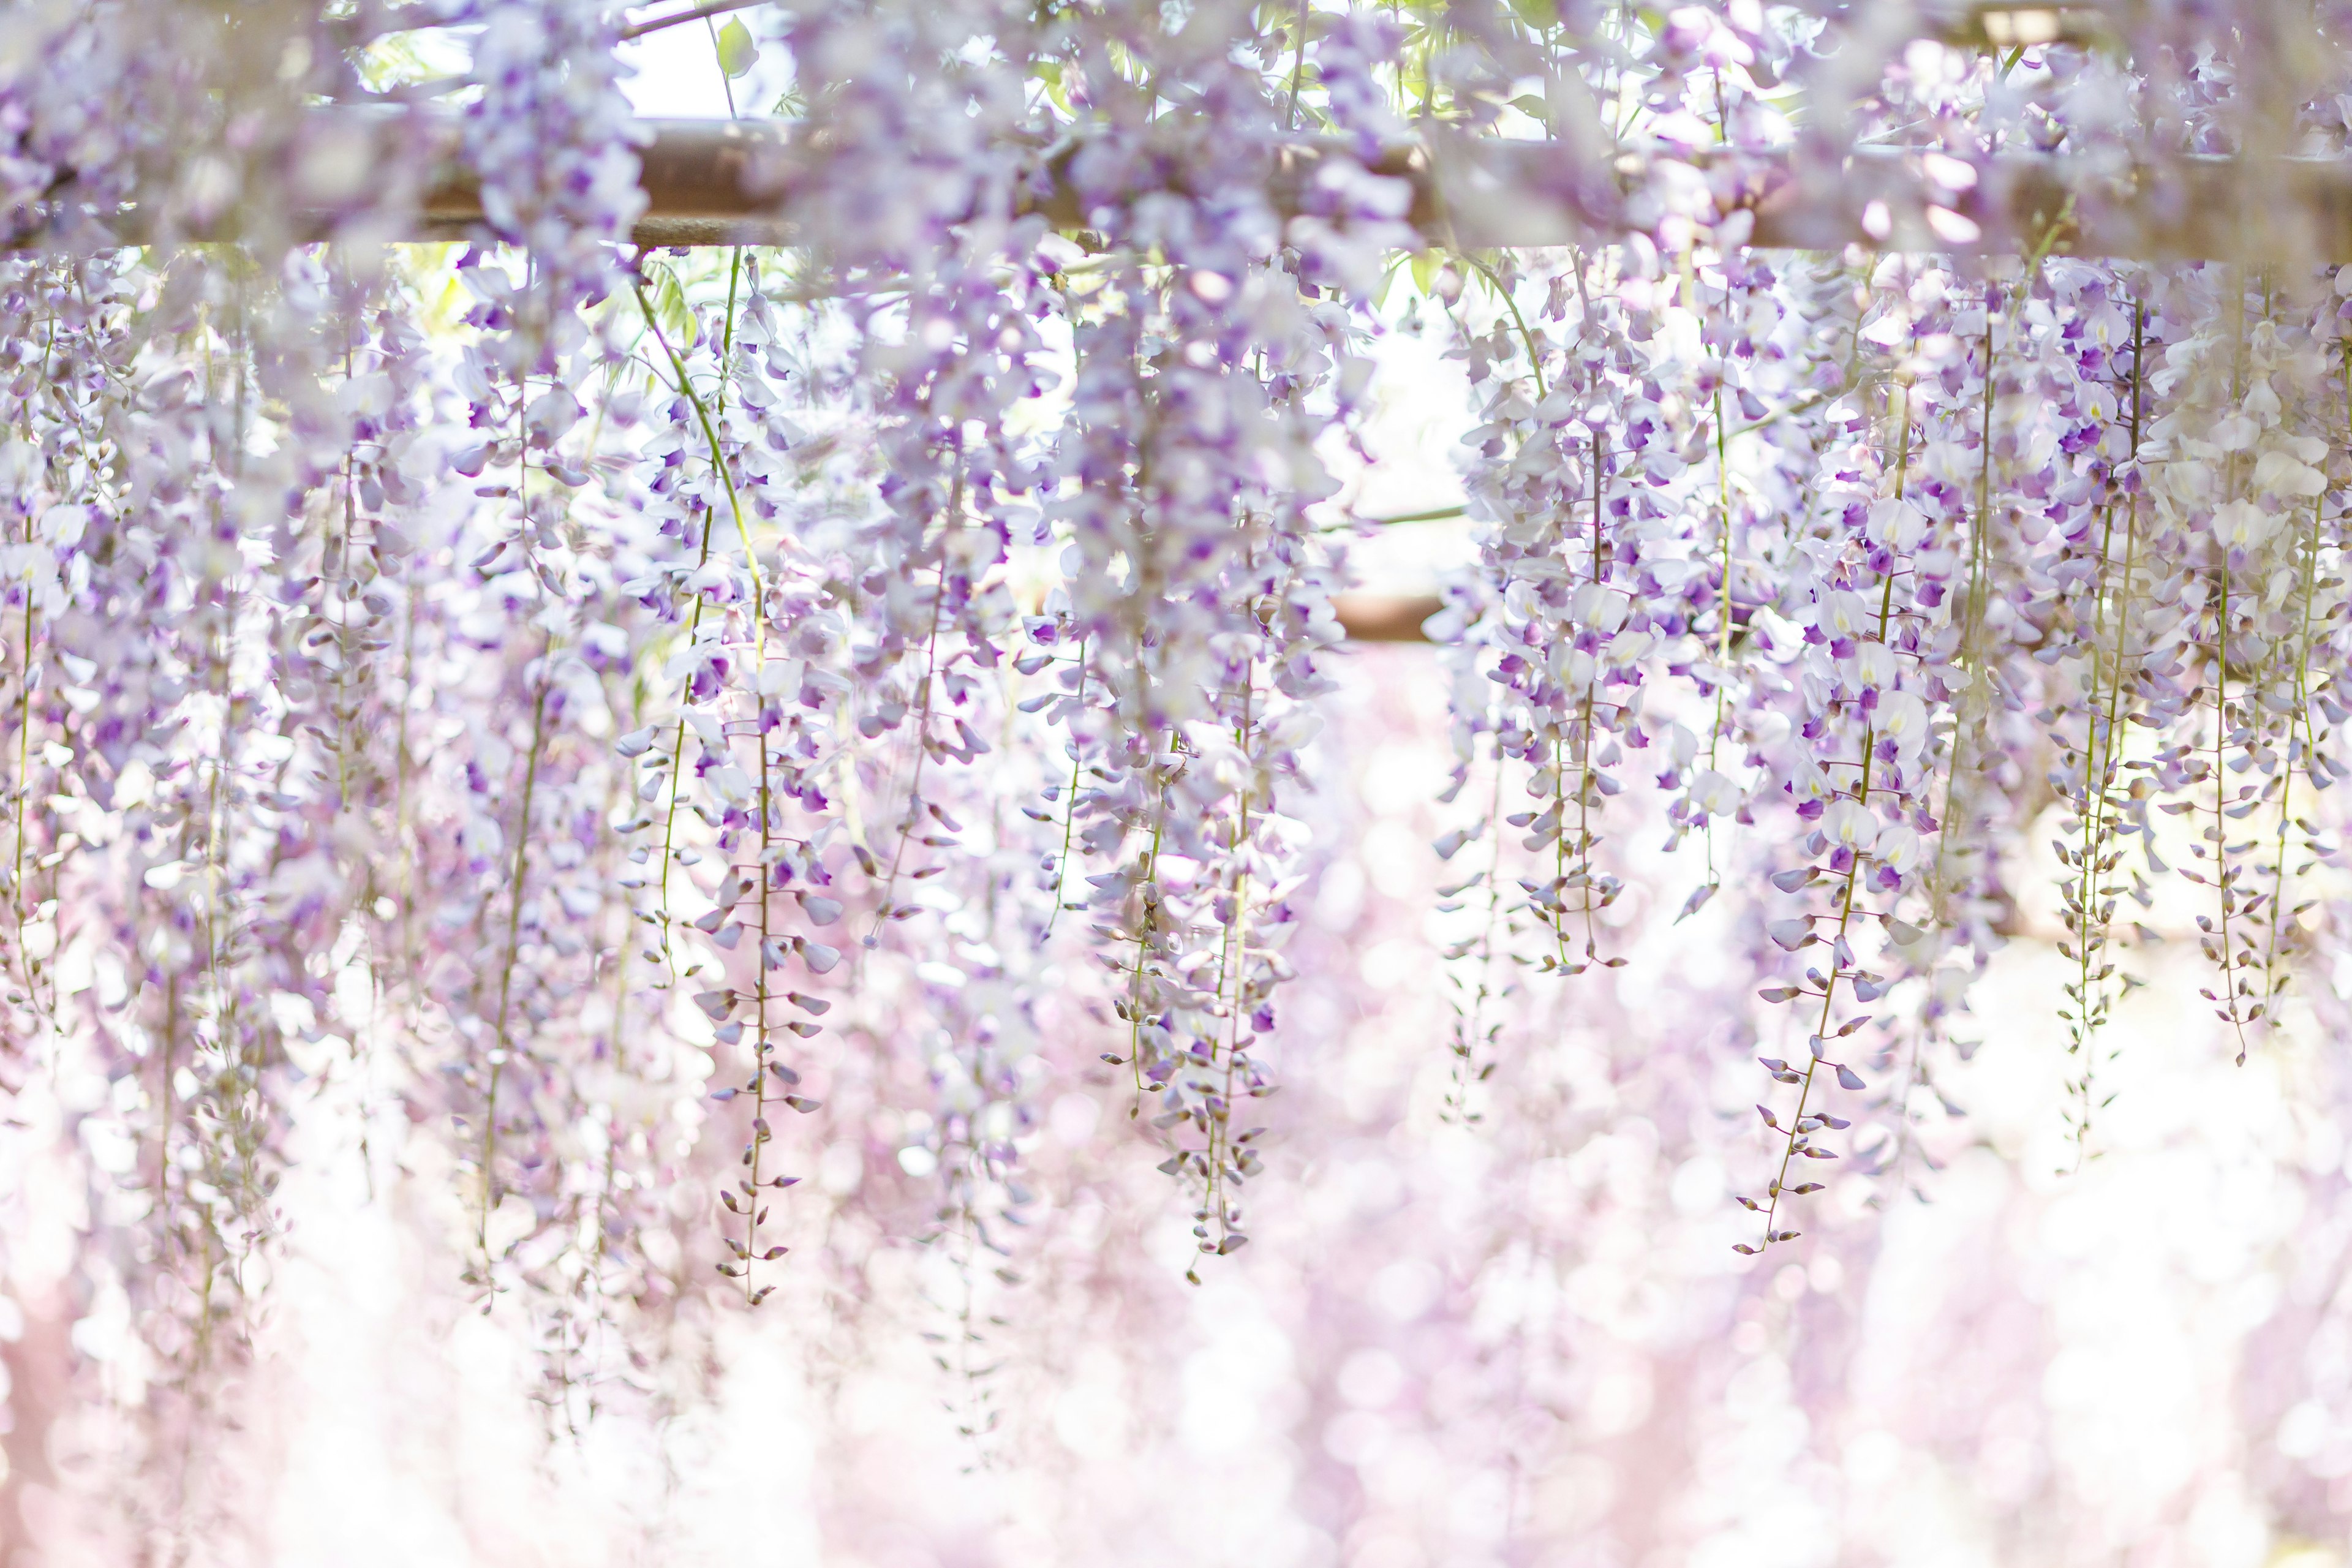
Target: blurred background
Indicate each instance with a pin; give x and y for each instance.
(1521, 1340)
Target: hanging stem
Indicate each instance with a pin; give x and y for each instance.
(1070, 805)
(506, 972)
(923, 730)
(1297, 68)
(1861, 796)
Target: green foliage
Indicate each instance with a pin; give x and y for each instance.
(667, 296)
(736, 52)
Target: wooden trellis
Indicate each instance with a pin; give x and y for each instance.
(731, 183)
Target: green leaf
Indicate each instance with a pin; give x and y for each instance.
(1049, 73)
(671, 309)
(736, 52)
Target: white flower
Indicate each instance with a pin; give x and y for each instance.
(1851, 823)
(1873, 664)
(1899, 525)
(1898, 846)
(64, 524)
(1902, 718)
(552, 416)
(1629, 645)
(1598, 608)
(2242, 525)
(1808, 780)
(2235, 433)
(2278, 473)
(1841, 613)
(1714, 794)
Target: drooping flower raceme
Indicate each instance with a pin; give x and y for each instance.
(736, 747)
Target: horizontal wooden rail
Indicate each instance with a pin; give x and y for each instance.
(1385, 617)
(708, 182)
(726, 182)
(751, 183)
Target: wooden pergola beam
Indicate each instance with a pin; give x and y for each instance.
(735, 182)
(1385, 617)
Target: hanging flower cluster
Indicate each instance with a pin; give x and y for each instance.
(661, 725)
